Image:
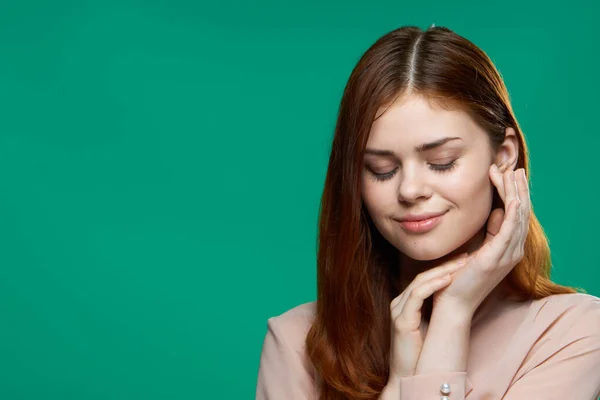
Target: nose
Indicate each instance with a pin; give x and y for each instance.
(413, 185)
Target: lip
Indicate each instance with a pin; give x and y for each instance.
(420, 217)
(421, 223)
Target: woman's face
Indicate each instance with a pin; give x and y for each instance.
(430, 161)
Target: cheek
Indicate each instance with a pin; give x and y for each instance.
(378, 198)
(472, 188)
(473, 196)
(470, 183)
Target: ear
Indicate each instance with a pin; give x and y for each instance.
(508, 152)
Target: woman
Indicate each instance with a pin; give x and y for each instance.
(433, 272)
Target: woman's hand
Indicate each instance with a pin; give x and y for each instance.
(503, 246)
(406, 338)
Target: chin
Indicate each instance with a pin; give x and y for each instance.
(426, 254)
(435, 249)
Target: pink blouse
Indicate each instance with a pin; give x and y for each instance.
(534, 350)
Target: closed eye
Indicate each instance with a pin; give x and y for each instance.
(441, 168)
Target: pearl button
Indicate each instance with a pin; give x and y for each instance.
(445, 388)
(445, 398)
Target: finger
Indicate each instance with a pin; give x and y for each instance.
(411, 313)
(525, 208)
(511, 190)
(442, 269)
(447, 268)
(497, 179)
(506, 236)
(494, 223)
(510, 187)
(524, 195)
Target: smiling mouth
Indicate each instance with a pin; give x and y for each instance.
(421, 226)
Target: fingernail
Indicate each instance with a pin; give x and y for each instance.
(495, 168)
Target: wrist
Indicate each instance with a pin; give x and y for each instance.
(454, 311)
(448, 334)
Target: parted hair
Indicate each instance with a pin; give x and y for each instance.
(357, 269)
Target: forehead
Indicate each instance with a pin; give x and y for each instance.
(413, 120)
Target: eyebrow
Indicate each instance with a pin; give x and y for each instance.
(419, 149)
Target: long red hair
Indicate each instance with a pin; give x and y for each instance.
(357, 269)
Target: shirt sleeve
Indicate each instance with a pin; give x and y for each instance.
(567, 365)
(284, 372)
(453, 385)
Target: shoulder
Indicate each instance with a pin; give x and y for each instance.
(566, 301)
(566, 321)
(292, 326)
(577, 313)
(285, 370)
(561, 336)
(297, 315)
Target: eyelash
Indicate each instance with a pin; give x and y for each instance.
(440, 168)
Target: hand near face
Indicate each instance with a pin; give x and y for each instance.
(503, 246)
(406, 317)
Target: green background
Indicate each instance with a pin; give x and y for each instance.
(162, 164)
